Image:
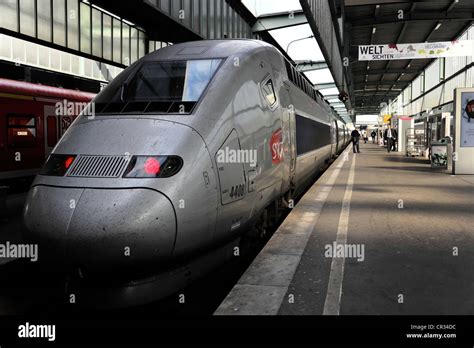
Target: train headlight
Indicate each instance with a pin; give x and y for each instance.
(57, 165)
(153, 166)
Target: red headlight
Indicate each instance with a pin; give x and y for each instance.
(153, 166)
(57, 165)
(68, 162)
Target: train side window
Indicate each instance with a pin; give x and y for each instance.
(52, 133)
(21, 130)
(269, 92)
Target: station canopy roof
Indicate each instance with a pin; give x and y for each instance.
(375, 22)
(368, 22)
(300, 45)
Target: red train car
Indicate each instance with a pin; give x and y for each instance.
(32, 119)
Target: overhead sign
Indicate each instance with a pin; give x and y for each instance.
(417, 50)
(367, 119)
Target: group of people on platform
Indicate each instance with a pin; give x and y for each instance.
(390, 137)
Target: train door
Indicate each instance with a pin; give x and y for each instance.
(289, 139)
(293, 153)
(50, 129)
(336, 130)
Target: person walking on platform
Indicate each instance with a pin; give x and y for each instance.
(394, 140)
(373, 135)
(355, 137)
(390, 136)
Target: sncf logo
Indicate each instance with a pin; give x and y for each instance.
(276, 146)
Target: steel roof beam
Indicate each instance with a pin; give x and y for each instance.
(324, 85)
(350, 3)
(370, 93)
(372, 90)
(451, 6)
(304, 66)
(331, 96)
(279, 21)
(387, 85)
(386, 71)
(400, 35)
(320, 20)
(367, 107)
(426, 39)
(358, 22)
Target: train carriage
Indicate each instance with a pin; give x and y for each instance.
(32, 119)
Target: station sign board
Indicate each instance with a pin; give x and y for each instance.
(422, 50)
(367, 119)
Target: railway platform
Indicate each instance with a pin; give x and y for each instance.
(379, 233)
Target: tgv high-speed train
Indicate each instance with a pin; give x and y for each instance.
(187, 149)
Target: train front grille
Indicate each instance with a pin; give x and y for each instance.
(92, 166)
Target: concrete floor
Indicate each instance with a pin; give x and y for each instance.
(408, 217)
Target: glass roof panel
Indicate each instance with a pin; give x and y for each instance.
(329, 91)
(305, 49)
(320, 76)
(265, 7)
(296, 41)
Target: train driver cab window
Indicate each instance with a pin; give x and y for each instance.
(269, 93)
(172, 81)
(21, 130)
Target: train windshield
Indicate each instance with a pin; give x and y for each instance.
(171, 81)
(158, 87)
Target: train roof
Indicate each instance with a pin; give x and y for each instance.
(207, 49)
(35, 90)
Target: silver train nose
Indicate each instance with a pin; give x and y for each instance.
(101, 229)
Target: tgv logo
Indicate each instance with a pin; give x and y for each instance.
(276, 146)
